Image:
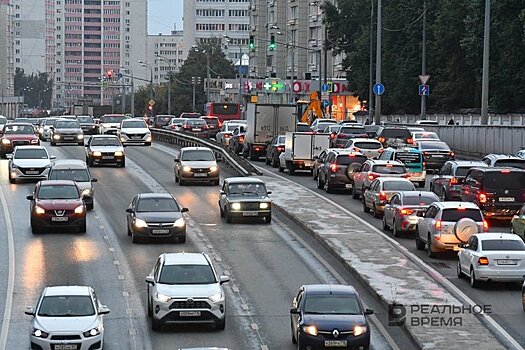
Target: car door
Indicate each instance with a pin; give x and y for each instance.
(130, 217)
(390, 209)
(425, 223)
(155, 273)
(518, 222)
(440, 180)
(297, 303)
(223, 194)
(466, 189)
(466, 255)
(370, 193)
(330, 158)
(319, 161)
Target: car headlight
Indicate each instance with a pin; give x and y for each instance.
(311, 330)
(39, 333)
(56, 136)
(97, 154)
(80, 137)
(180, 222)
(92, 332)
(264, 205)
(6, 142)
(86, 192)
(216, 297)
(34, 141)
(236, 206)
(79, 209)
(214, 168)
(39, 210)
(122, 139)
(140, 223)
(358, 330)
(148, 137)
(119, 154)
(186, 169)
(163, 298)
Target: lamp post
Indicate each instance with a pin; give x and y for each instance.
(167, 60)
(377, 118)
(208, 73)
(132, 90)
(147, 65)
(292, 47)
(424, 59)
(485, 79)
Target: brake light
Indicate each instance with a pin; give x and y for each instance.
(382, 196)
(453, 180)
(410, 140)
(241, 138)
(280, 148)
(485, 226)
(372, 176)
(220, 124)
(205, 126)
(438, 225)
(333, 167)
(381, 139)
(341, 136)
(332, 136)
(482, 198)
(257, 149)
(505, 171)
(483, 261)
(406, 211)
(425, 153)
(452, 154)
(389, 165)
(226, 136)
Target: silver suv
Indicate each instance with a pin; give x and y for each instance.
(446, 225)
(185, 288)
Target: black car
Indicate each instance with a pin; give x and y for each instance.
(155, 216)
(347, 132)
(88, 125)
(66, 131)
(447, 183)
(274, 150)
(435, 153)
(394, 135)
(329, 316)
(236, 143)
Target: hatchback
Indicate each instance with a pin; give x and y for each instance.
(381, 190)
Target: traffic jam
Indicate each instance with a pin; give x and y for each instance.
(413, 185)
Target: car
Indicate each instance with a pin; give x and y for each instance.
(414, 129)
(320, 124)
(413, 160)
(162, 120)
(331, 129)
(427, 122)
(185, 288)
(444, 226)
(225, 133)
(523, 295)
(369, 147)
(105, 149)
(303, 127)
(196, 164)
(371, 170)
(400, 213)
(66, 131)
(190, 115)
(394, 136)
(448, 181)
(504, 160)
(17, 134)
(346, 132)
(134, 131)
(381, 190)
(518, 223)
(196, 127)
(521, 153)
(326, 316)
(214, 124)
(349, 122)
(496, 257)
(274, 150)
(435, 153)
(331, 174)
(45, 128)
(109, 123)
(88, 125)
(67, 317)
(78, 171)
(245, 197)
(155, 216)
(499, 192)
(319, 160)
(29, 162)
(371, 130)
(425, 135)
(236, 143)
(57, 204)
(175, 124)
(3, 121)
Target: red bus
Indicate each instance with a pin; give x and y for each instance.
(224, 111)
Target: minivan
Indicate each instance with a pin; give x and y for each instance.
(413, 160)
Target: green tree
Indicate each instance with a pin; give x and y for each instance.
(37, 89)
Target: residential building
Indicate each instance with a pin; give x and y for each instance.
(29, 35)
(171, 48)
(7, 67)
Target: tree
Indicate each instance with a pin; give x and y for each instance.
(37, 89)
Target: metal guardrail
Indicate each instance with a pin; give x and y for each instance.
(183, 139)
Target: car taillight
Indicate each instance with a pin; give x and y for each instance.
(407, 211)
(257, 149)
(381, 139)
(505, 171)
(333, 167)
(482, 198)
(187, 126)
(205, 126)
(382, 196)
(453, 180)
(241, 138)
(438, 225)
(483, 261)
(332, 136)
(410, 140)
(280, 148)
(227, 136)
(485, 226)
(425, 153)
(372, 176)
(219, 124)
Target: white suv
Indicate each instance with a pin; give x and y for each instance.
(184, 288)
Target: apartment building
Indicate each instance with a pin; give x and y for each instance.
(7, 68)
(170, 51)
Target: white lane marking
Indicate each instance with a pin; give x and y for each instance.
(434, 274)
(11, 277)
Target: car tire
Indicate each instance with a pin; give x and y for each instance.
(268, 219)
(221, 324)
(267, 160)
(134, 238)
(90, 206)
(182, 239)
(35, 229)
(82, 228)
(365, 208)
(291, 169)
(147, 144)
(355, 195)
(420, 245)
(80, 143)
(395, 231)
(474, 283)
(327, 187)
(181, 182)
(216, 182)
(281, 169)
(294, 339)
(320, 183)
(275, 162)
(430, 250)
(11, 180)
(123, 163)
(385, 225)
(3, 155)
(156, 325)
(458, 270)
(53, 143)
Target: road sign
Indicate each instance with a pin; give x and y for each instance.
(330, 86)
(379, 89)
(424, 90)
(325, 103)
(324, 88)
(151, 103)
(424, 79)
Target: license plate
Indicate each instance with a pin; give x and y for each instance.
(348, 185)
(69, 138)
(196, 129)
(107, 157)
(136, 137)
(200, 174)
(438, 156)
(189, 313)
(250, 213)
(507, 262)
(32, 172)
(59, 218)
(65, 347)
(335, 343)
(506, 199)
(160, 231)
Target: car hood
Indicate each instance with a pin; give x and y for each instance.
(63, 204)
(189, 290)
(198, 164)
(248, 198)
(68, 130)
(107, 148)
(151, 216)
(84, 185)
(17, 137)
(66, 324)
(329, 322)
(134, 130)
(31, 163)
(112, 125)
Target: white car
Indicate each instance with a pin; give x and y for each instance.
(134, 131)
(498, 257)
(110, 123)
(29, 162)
(369, 147)
(184, 288)
(425, 135)
(226, 131)
(67, 317)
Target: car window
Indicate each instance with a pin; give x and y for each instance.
(303, 128)
(104, 141)
(367, 145)
(177, 121)
(67, 124)
(19, 129)
(196, 122)
(30, 153)
(331, 304)
(211, 121)
(190, 115)
(112, 119)
(458, 214)
(58, 192)
(446, 170)
(462, 170)
(389, 169)
(80, 175)
(247, 189)
(420, 200)
(157, 205)
(163, 120)
(66, 306)
(187, 274)
(398, 186)
(85, 119)
(352, 130)
(396, 133)
(49, 122)
(440, 146)
(344, 159)
(431, 212)
(374, 186)
(197, 155)
(134, 124)
(514, 163)
(502, 244)
(511, 180)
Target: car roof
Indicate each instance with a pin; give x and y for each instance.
(346, 152)
(455, 205)
(67, 290)
(243, 180)
(134, 119)
(195, 149)
(58, 182)
(166, 115)
(499, 168)
(498, 235)
(114, 115)
(475, 163)
(105, 136)
(506, 156)
(30, 147)
(155, 195)
(403, 149)
(185, 259)
(384, 162)
(69, 163)
(20, 123)
(391, 178)
(329, 288)
(363, 139)
(417, 193)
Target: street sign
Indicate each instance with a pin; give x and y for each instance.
(325, 103)
(151, 103)
(379, 89)
(330, 86)
(424, 79)
(424, 90)
(324, 88)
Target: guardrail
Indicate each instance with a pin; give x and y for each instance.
(183, 139)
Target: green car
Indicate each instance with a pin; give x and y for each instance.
(518, 223)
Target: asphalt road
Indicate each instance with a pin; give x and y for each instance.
(266, 263)
(504, 298)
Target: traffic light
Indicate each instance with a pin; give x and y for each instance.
(109, 74)
(272, 45)
(251, 44)
(150, 108)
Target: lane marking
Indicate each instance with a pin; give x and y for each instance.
(11, 277)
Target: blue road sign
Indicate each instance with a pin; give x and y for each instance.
(424, 90)
(325, 103)
(379, 89)
(324, 88)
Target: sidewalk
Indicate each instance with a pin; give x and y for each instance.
(434, 317)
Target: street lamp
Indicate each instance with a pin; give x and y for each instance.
(240, 66)
(377, 118)
(167, 60)
(132, 90)
(147, 65)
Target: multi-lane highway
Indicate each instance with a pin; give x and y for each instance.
(266, 263)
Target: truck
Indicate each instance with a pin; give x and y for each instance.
(264, 121)
(301, 149)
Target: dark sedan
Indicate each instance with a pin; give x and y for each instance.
(196, 127)
(156, 216)
(329, 316)
(66, 131)
(435, 153)
(245, 197)
(274, 150)
(88, 125)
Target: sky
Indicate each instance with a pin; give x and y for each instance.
(162, 14)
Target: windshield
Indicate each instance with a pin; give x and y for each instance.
(367, 145)
(426, 135)
(105, 141)
(157, 205)
(420, 200)
(512, 180)
(58, 192)
(134, 124)
(389, 169)
(79, 175)
(177, 121)
(441, 146)
(85, 120)
(513, 163)
(31, 153)
(502, 244)
(163, 119)
(22, 120)
(66, 306)
(112, 119)
(212, 121)
(247, 189)
(463, 170)
(18, 129)
(67, 124)
(349, 159)
(457, 214)
(231, 126)
(398, 186)
(331, 304)
(198, 155)
(352, 130)
(49, 121)
(3, 120)
(195, 122)
(187, 274)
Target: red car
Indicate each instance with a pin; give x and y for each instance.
(17, 134)
(57, 204)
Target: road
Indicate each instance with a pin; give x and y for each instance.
(266, 263)
(504, 298)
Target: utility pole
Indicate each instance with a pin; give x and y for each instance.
(378, 64)
(123, 96)
(371, 63)
(485, 79)
(424, 60)
(208, 76)
(193, 81)
(240, 75)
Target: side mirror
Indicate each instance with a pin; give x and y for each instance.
(30, 197)
(150, 280)
(184, 210)
(51, 128)
(129, 210)
(224, 279)
(94, 180)
(53, 157)
(30, 311)
(103, 310)
(221, 192)
(269, 192)
(316, 157)
(420, 214)
(176, 160)
(294, 311)
(368, 312)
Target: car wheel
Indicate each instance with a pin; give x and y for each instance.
(134, 238)
(11, 180)
(156, 325)
(458, 270)
(314, 174)
(328, 188)
(81, 143)
(430, 249)
(355, 195)
(431, 187)
(181, 182)
(123, 163)
(82, 227)
(474, 283)
(281, 169)
(294, 339)
(90, 206)
(365, 208)
(420, 245)
(267, 160)
(216, 182)
(53, 143)
(182, 239)
(385, 225)
(268, 219)
(275, 162)
(375, 212)
(395, 232)
(35, 229)
(320, 183)
(220, 325)
(291, 169)
(228, 218)
(3, 155)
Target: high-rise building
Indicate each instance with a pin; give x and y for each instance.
(170, 49)
(87, 41)
(226, 20)
(7, 68)
(29, 35)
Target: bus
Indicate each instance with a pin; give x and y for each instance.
(224, 111)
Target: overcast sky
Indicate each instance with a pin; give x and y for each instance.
(163, 14)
